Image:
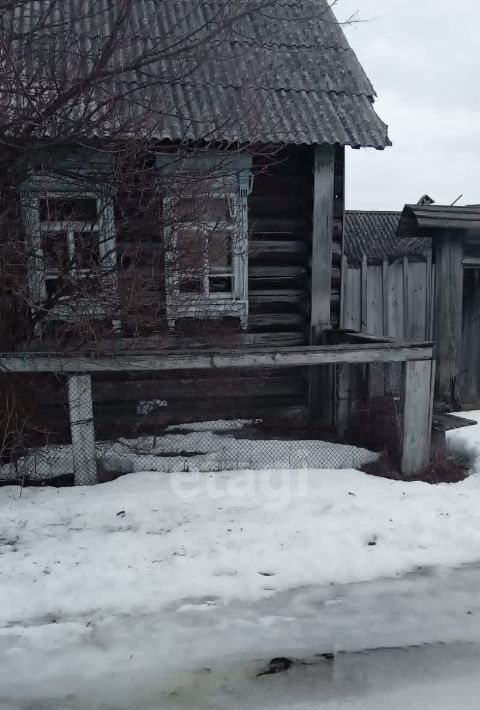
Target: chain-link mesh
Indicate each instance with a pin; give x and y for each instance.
(109, 425)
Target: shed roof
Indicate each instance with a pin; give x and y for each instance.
(419, 220)
(374, 234)
(282, 75)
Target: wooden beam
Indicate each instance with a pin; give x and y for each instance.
(219, 359)
(323, 191)
(385, 296)
(82, 429)
(417, 421)
(448, 317)
(321, 380)
(364, 294)
(406, 299)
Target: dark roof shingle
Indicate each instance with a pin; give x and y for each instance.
(374, 234)
(282, 75)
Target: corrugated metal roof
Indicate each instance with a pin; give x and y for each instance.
(374, 234)
(283, 72)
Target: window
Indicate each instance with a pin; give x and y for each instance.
(206, 236)
(70, 239)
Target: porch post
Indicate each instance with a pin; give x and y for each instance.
(320, 385)
(448, 316)
(417, 419)
(82, 429)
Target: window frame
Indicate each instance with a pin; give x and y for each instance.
(37, 188)
(234, 188)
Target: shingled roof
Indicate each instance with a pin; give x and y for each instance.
(282, 75)
(374, 234)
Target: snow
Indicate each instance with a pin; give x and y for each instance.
(203, 446)
(174, 590)
(465, 442)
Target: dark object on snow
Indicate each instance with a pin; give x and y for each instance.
(121, 514)
(277, 665)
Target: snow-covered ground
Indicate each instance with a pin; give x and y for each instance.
(175, 590)
(203, 446)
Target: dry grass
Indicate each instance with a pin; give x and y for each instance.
(442, 469)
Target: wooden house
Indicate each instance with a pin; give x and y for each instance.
(246, 139)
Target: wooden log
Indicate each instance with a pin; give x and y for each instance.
(448, 317)
(218, 359)
(270, 225)
(417, 420)
(277, 321)
(82, 429)
(271, 247)
(190, 388)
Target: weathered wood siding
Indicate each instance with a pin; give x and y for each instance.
(393, 299)
(280, 211)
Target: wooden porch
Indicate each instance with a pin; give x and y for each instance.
(416, 360)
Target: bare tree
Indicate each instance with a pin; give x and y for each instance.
(88, 221)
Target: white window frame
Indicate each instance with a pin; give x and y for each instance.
(234, 188)
(67, 309)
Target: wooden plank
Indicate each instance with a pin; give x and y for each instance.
(429, 298)
(395, 301)
(448, 317)
(220, 359)
(321, 380)
(343, 400)
(471, 262)
(322, 241)
(343, 291)
(470, 371)
(406, 304)
(374, 298)
(82, 429)
(364, 294)
(417, 421)
(352, 308)
(417, 298)
(385, 273)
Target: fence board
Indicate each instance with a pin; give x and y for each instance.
(394, 300)
(374, 290)
(417, 296)
(352, 309)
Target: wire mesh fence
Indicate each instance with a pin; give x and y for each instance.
(194, 421)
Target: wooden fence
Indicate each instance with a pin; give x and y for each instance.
(391, 299)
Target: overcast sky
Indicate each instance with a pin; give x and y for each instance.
(423, 58)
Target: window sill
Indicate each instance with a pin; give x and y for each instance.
(212, 307)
